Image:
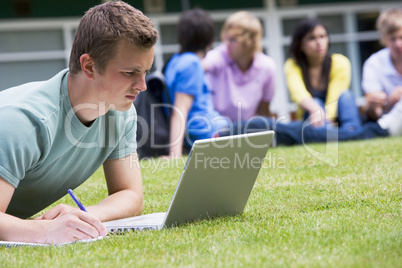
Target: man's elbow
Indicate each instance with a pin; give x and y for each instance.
(138, 203)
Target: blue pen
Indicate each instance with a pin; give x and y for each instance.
(76, 200)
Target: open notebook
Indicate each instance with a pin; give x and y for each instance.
(18, 244)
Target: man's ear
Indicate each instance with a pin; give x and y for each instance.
(87, 65)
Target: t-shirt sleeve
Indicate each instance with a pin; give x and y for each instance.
(21, 144)
(190, 78)
(128, 142)
(370, 76)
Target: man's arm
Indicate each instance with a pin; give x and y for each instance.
(395, 96)
(73, 224)
(6, 192)
(178, 121)
(376, 98)
(124, 183)
(376, 102)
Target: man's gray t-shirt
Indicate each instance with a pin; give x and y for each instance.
(45, 149)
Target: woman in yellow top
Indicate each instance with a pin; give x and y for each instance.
(318, 81)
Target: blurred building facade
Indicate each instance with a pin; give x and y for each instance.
(36, 35)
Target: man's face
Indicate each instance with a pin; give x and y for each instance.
(394, 43)
(124, 76)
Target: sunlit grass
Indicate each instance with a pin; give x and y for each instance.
(302, 212)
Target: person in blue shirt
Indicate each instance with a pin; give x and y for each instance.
(193, 116)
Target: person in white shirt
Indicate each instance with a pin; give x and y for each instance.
(382, 75)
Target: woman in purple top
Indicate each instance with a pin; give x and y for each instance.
(240, 76)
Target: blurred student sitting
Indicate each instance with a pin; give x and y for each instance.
(241, 77)
(193, 116)
(318, 81)
(382, 75)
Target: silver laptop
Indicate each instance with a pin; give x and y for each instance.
(216, 181)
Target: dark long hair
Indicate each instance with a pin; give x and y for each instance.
(302, 29)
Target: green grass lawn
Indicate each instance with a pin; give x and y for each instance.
(302, 212)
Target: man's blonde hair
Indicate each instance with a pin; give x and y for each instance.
(389, 22)
(246, 26)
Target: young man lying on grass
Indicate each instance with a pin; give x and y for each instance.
(55, 134)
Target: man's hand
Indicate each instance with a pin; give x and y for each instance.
(66, 224)
(376, 103)
(317, 118)
(395, 96)
(55, 212)
(377, 98)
